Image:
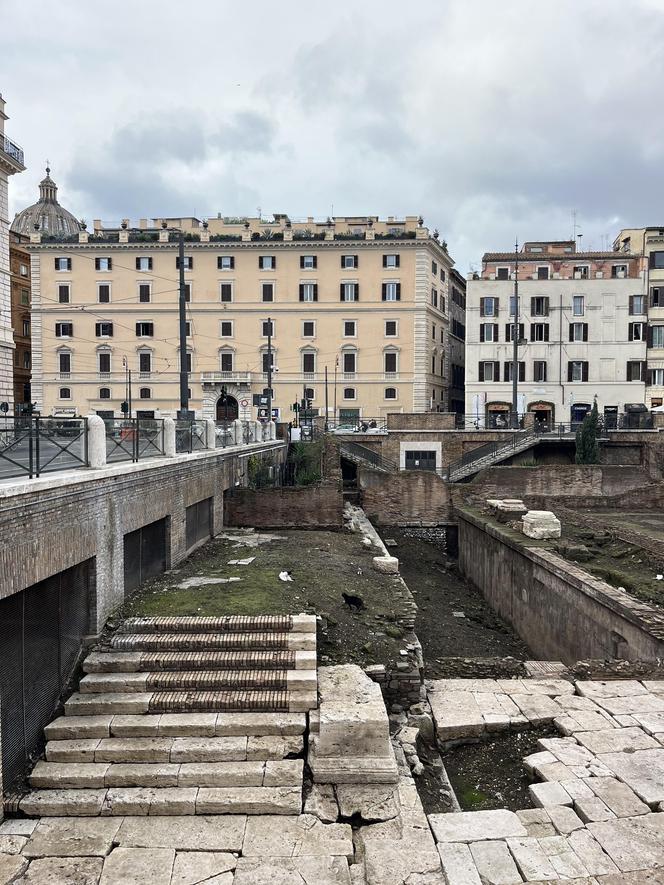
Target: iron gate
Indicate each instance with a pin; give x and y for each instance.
(144, 554)
(199, 522)
(41, 630)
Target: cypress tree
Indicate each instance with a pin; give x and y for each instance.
(587, 446)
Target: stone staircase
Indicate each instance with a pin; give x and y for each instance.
(180, 716)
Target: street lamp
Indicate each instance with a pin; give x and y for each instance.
(184, 412)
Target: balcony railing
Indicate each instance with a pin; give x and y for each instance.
(12, 150)
(218, 377)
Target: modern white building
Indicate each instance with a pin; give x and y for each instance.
(582, 335)
(11, 161)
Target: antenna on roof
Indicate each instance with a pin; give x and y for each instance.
(574, 225)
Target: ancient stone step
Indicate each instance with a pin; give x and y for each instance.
(199, 680)
(195, 641)
(223, 624)
(99, 775)
(136, 661)
(83, 728)
(174, 750)
(81, 704)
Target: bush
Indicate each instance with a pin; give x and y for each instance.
(587, 447)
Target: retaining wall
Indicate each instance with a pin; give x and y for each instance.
(315, 506)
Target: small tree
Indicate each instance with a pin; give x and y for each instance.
(587, 446)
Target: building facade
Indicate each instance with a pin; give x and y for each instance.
(363, 298)
(582, 334)
(11, 162)
(19, 264)
(649, 243)
(456, 348)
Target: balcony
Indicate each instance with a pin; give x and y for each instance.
(226, 378)
(13, 154)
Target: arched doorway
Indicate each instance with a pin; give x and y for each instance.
(544, 414)
(227, 408)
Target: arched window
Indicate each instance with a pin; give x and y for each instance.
(145, 393)
(390, 393)
(65, 393)
(104, 393)
(349, 393)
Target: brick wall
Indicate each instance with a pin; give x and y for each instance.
(421, 421)
(413, 497)
(315, 506)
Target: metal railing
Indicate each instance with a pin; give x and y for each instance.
(354, 425)
(31, 445)
(224, 434)
(130, 439)
(12, 150)
(190, 436)
(499, 447)
(354, 450)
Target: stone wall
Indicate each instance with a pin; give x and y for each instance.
(412, 497)
(421, 421)
(315, 506)
(561, 611)
(55, 522)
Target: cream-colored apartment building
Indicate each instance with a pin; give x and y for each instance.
(364, 298)
(648, 242)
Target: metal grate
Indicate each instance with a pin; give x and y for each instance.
(218, 660)
(144, 554)
(218, 701)
(199, 680)
(192, 641)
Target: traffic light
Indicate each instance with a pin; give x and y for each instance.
(124, 407)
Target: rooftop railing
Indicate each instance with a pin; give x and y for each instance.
(12, 149)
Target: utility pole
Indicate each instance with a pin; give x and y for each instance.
(184, 375)
(326, 401)
(129, 400)
(515, 344)
(269, 369)
(336, 366)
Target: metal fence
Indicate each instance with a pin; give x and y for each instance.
(31, 445)
(352, 425)
(190, 436)
(129, 439)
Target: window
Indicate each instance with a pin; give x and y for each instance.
(349, 364)
(268, 361)
(656, 336)
(308, 291)
(267, 291)
(539, 306)
(63, 263)
(578, 331)
(63, 293)
(143, 263)
(23, 270)
(25, 296)
(539, 331)
(145, 362)
(581, 272)
(391, 260)
(577, 370)
(489, 307)
(459, 329)
(27, 359)
(539, 370)
(187, 329)
(308, 262)
(144, 293)
(144, 393)
(349, 262)
(542, 273)
(188, 361)
(26, 328)
(64, 393)
(502, 273)
(618, 270)
(349, 393)
(433, 364)
(350, 291)
(488, 331)
(434, 297)
(433, 331)
(226, 360)
(103, 293)
(636, 332)
(391, 329)
(391, 292)
(104, 393)
(442, 275)
(508, 332)
(657, 260)
(267, 328)
(226, 329)
(390, 393)
(225, 262)
(267, 262)
(656, 296)
(64, 362)
(104, 330)
(434, 268)
(636, 305)
(188, 262)
(350, 329)
(308, 362)
(656, 379)
(103, 263)
(104, 362)
(309, 329)
(507, 371)
(225, 292)
(390, 362)
(636, 370)
(489, 371)
(64, 330)
(144, 330)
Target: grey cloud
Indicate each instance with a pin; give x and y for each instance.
(246, 131)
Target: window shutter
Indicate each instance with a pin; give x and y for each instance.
(384, 288)
(342, 261)
(384, 260)
(138, 264)
(546, 309)
(650, 336)
(522, 371)
(110, 329)
(397, 259)
(532, 331)
(58, 330)
(97, 264)
(341, 291)
(480, 371)
(138, 328)
(571, 335)
(546, 331)
(357, 291)
(56, 263)
(496, 306)
(584, 370)
(189, 262)
(630, 332)
(315, 291)
(628, 374)
(506, 371)
(149, 263)
(398, 285)
(110, 263)
(508, 332)
(631, 305)
(585, 331)
(301, 292)
(301, 261)
(315, 260)
(482, 337)
(232, 262)
(532, 307)
(643, 370)
(569, 371)
(97, 329)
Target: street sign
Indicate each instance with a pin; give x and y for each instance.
(244, 403)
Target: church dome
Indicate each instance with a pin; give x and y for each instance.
(46, 215)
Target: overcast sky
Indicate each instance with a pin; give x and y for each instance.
(492, 119)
